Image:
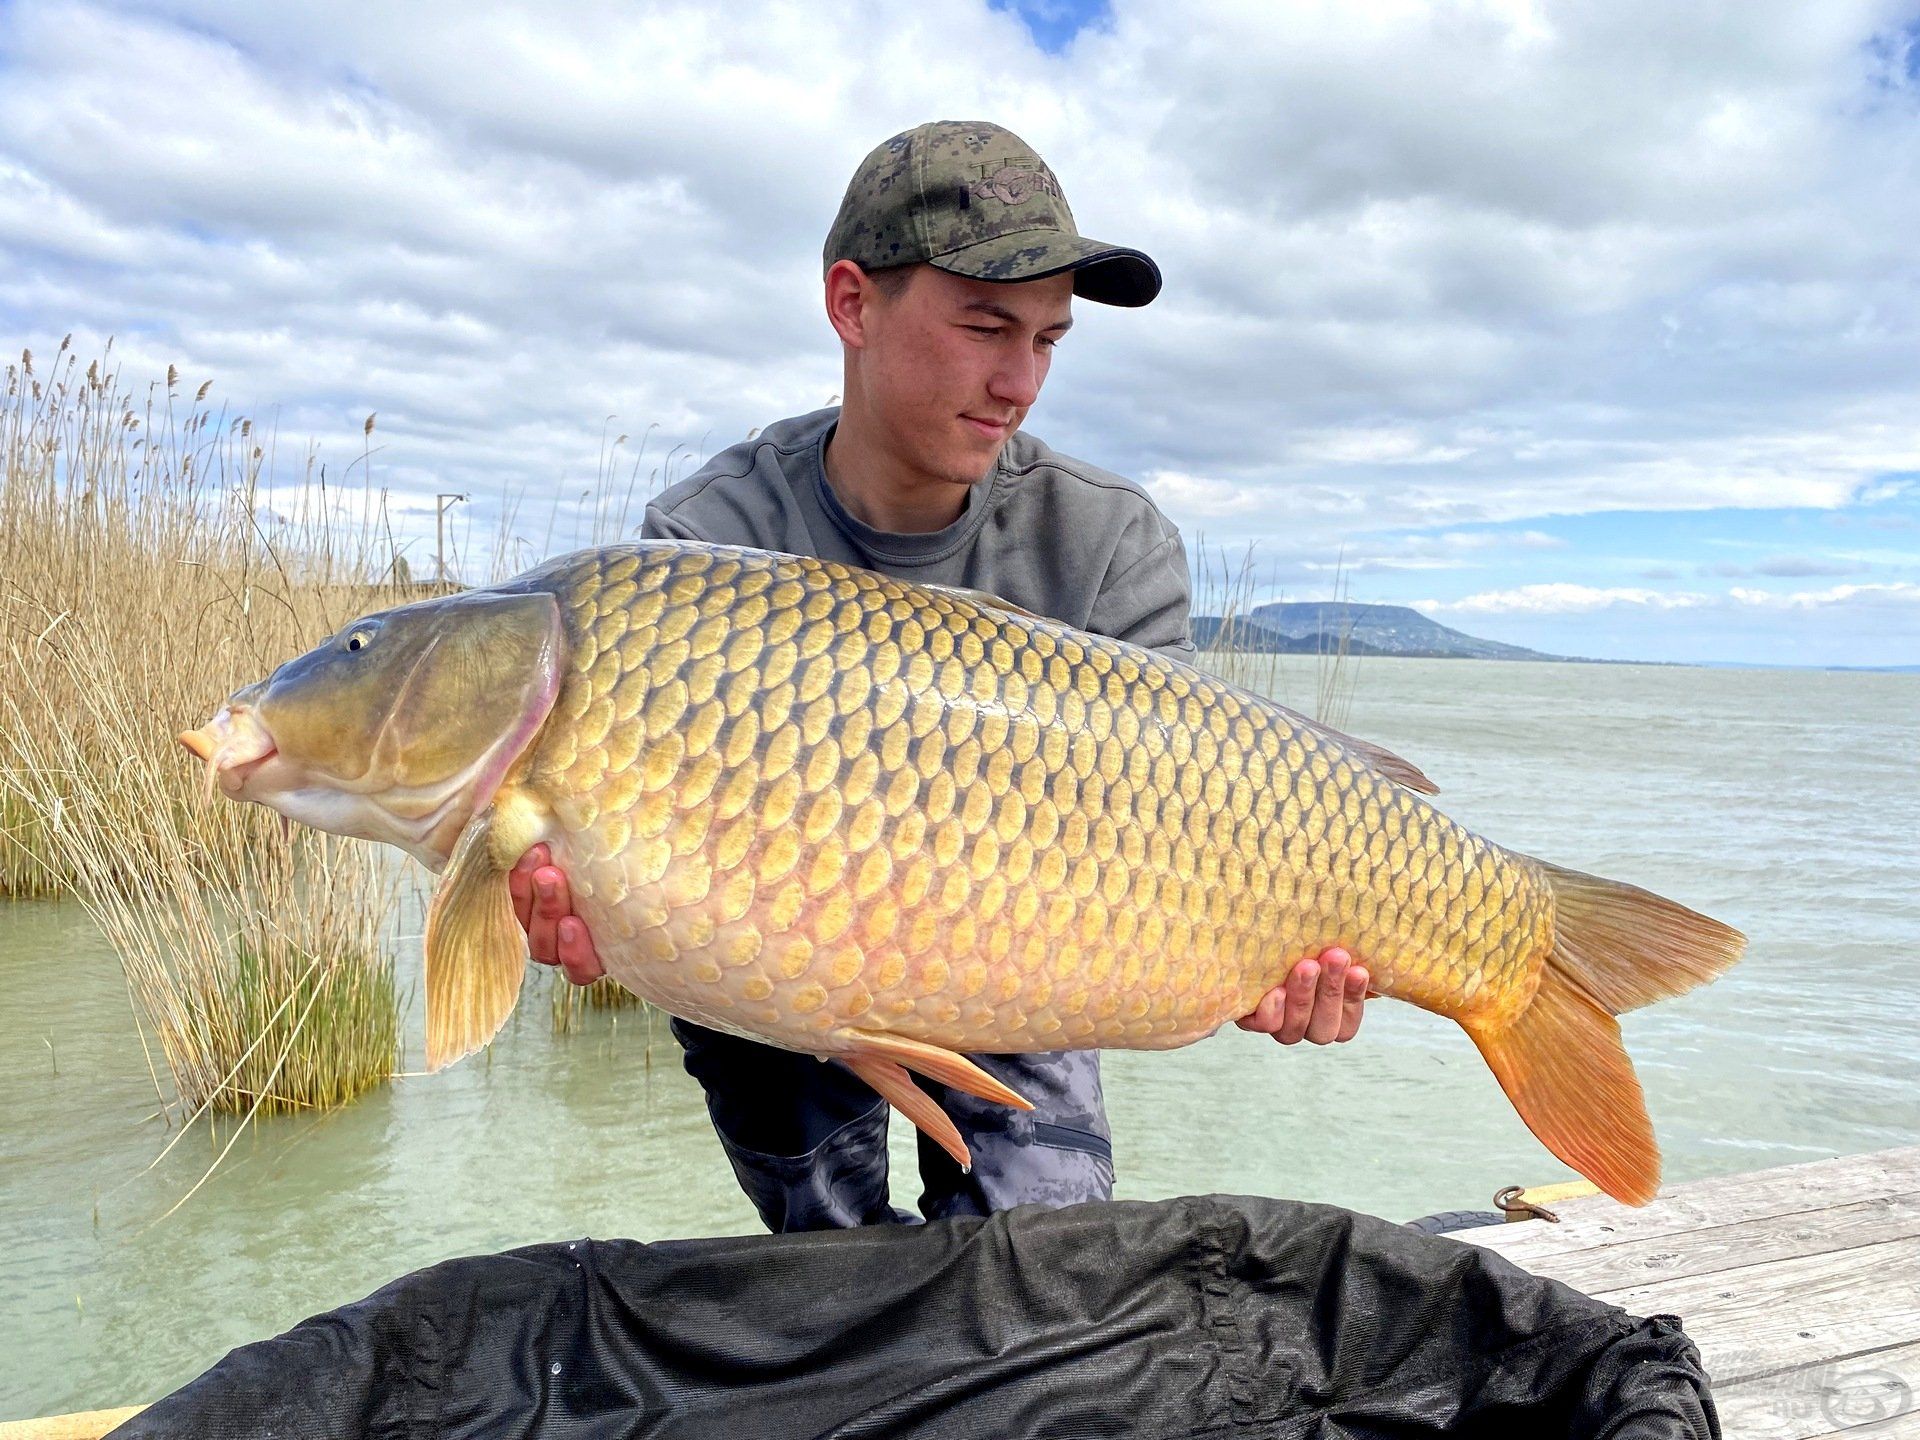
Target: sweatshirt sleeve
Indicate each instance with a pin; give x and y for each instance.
(1149, 601)
(657, 524)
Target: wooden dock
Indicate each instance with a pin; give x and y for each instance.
(1800, 1285)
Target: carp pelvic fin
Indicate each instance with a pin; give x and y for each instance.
(476, 951)
(936, 1064)
(896, 1087)
(1561, 1063)
(883, 1061)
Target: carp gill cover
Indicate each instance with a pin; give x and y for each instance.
(890, 824)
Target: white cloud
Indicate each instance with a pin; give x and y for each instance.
(1561, 598)
(1196, 495)
(1897, 593)
(1381, 445)
(1427, 266)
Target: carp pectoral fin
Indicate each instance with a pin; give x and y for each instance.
(476, 951)
(899, 1091)
(937, 1064)
(1563, 1067)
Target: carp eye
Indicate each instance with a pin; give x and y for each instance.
(359, 639)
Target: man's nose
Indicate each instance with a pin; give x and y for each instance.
(1016, 381)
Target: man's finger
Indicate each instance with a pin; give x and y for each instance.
(520, 883)
(551, 897)
(578, 958)
(1302, 981)
(551, 903)
(1355, 1003)
(1268, 1014)
(1323, 1028)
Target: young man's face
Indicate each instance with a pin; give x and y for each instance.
(950, 366)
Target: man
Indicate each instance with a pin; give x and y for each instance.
(950, 271)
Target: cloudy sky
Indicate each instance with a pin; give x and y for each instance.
(1590, 326)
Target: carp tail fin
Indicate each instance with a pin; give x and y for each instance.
(1627, 947)
(1616, 947)
(1563, 1067)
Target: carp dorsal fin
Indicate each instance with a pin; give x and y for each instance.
(476, 951)
(981, 598)
(1375, 757)
(1396, 768)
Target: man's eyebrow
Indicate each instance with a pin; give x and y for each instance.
(1000, 312)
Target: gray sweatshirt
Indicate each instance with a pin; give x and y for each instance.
(1046, 532)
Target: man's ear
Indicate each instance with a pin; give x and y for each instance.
(849, 292)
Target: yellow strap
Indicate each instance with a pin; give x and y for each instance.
(81, 1425)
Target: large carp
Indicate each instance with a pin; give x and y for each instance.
(889, 824)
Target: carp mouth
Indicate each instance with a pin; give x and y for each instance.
(233, 745)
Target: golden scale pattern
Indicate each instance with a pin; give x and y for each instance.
(798, 798)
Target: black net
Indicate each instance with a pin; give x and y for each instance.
(1202, 1317)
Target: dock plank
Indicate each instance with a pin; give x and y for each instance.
(1786, 1313)
(81, 1425)
(1597, 1221)
(1715, 1248)
(1876, 1393)
(1800, 1285)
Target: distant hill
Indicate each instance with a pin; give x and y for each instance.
(1255, 639)
(1310, 627)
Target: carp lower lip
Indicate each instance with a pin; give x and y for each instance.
(233, 777)
(233, 745)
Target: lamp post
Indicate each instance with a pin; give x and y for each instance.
(440, 503)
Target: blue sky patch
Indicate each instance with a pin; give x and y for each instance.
(1054, 23)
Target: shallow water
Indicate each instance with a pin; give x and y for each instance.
(1781, 801)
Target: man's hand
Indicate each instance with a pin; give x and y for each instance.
(1320, 1001)
(544, 907)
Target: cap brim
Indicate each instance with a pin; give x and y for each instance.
(1106, 274)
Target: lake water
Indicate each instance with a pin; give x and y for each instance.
(1785, 802)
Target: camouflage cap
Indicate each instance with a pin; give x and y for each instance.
(974, 199)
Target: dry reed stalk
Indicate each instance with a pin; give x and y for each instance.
(1228, 589)
(1336, 668)
(143, 576)
(570, 1003)
(255, 960)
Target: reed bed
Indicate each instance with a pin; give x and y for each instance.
(1228, 587)
(143, 576)
(571, 1003)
